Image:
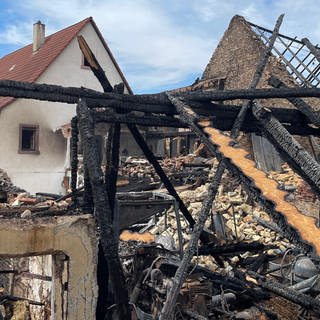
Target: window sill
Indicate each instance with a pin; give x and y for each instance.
(29, 152)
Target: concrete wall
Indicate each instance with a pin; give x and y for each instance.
(74, 237)
(44, 172)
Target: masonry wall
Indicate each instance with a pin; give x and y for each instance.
(235, 60)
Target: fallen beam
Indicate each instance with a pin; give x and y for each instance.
(296, 156)
(299, 228)
(151, 158)
(182, 271)
(297, 297)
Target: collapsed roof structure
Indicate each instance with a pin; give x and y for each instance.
(239, 98)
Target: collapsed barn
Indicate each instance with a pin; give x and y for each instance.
(200, 271)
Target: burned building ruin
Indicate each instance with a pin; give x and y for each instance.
(236, 235)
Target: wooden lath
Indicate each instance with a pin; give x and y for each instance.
(300, 61)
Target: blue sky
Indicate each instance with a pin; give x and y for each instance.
(159, 44)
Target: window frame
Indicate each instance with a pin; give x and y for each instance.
(36, 129)
(83, 66)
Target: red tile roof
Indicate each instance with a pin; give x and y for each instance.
(26, 65)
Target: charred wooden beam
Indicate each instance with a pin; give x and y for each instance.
(182, 271)
(300, 104)
(297, 297)
(234, 248)
(56, 93)
(143, 120)
(94, 64)
(249, 94)
(222, 118)
(169, 134)
(74, 156)
(144, 102)
(313, 49)
(113, 166)
(103, 211)
(152, 159)
(256, 78)
(297, 157)
(111, 173)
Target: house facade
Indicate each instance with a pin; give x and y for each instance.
(34, 151)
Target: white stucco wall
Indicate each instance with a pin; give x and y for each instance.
(44, 172)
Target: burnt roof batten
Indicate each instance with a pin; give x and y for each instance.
(307, 76)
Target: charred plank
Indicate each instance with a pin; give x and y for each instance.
(249, 94)
(94, 64)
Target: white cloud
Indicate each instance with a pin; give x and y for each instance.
(139, 33)
(162, 42)
(19, 34)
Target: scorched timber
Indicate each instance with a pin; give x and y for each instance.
(223, 117)
(301, 228)
(158, 102)
(300, 104)
(296, 156)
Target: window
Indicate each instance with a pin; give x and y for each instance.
(85, 64)
(29, 139)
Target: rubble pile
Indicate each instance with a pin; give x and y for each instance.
(247, 268)
(6, 185)
(299, 192)
(181, 170)
(23, 205)
(227, 278)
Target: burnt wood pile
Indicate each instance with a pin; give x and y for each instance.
(205, 113)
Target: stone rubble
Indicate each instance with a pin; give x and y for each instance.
(238, 214)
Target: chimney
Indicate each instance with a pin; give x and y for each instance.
(38, 35)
